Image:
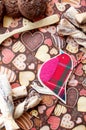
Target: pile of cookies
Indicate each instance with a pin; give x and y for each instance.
(30, 9)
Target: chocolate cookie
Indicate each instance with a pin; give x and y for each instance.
(1, 9)
(12, 8)
(32, 9)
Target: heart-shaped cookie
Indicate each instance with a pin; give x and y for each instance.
(73, 82)
(60, 109)
(66, 122)
(54, 122)
(45, 128)
(8, 55)
(48, 42)
(79, 70)
(60, 6)
(53, 51)
(18, 47)
(25, 77)
(50, 110)
(32, 41)
(31, 66)
(41, 109)
(79, 127)
(18, 62)
(81, 104)
(72, 97)
(42, 53)
(79, 120)
(83, 92)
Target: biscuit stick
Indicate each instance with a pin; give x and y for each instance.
(81, 18)
(26, 104)
(76, 18)
(19, 92)
(30, 26)
(67, 29)
(6, 104)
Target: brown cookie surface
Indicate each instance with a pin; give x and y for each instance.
(32, 9)
(12, 8)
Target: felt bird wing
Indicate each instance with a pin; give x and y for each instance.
(54, 74)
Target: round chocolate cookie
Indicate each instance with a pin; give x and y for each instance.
(1, 10)
(12, 8)
(32, 9)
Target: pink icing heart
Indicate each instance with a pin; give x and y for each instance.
(50, 110)
(79, 120)
(16, 35)
(48, 42)
(41, 109)
(83, 92)
(79, 70)
(73, 82)
(54, 122)
(8, 55)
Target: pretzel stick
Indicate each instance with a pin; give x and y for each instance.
(67, 29)
(19, 92)
(30, 26)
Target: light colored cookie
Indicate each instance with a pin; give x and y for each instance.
(42, 53)
(25, 77)
(45, 128)
(7, 42)
(18, 47)
(79, 127)
(7, 21)
(81, 104)
(72, 46)
(66, 122)
(10, 74)
(60, 110)
(53, 51)
(84, 68)
(81, 18)
(19, 62)
(60, 6)
(25, 22)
